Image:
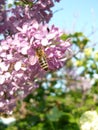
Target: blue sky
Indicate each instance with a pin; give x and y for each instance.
(77, 15)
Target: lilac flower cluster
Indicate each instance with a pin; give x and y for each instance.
(40, 11)
(19, 64)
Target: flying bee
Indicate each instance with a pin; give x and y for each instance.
(42, 58)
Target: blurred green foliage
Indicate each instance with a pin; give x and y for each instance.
(61, 98)
(22, 3)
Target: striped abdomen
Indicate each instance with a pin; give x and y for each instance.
(43, 63)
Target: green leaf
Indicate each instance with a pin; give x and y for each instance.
(54, 114)
(10, 5)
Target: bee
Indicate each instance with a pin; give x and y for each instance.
(42, 58)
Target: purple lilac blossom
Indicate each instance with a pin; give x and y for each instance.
(40, 11)
(19, 66)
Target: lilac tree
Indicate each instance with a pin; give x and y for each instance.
(25, 30)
